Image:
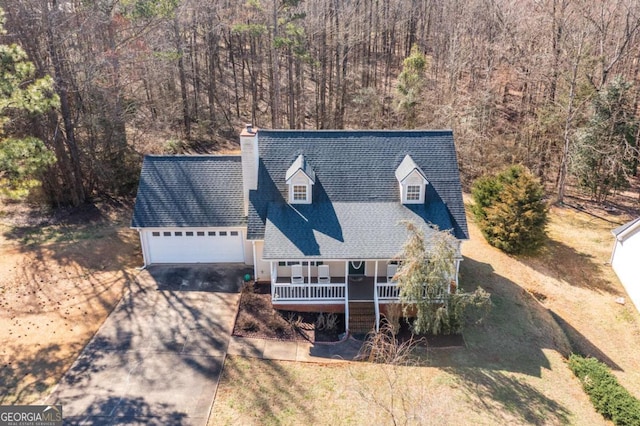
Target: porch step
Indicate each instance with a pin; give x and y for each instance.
(362, 317)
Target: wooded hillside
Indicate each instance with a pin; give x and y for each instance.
(518, 81)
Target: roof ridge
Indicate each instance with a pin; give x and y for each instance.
(191, 156)
(355, 130)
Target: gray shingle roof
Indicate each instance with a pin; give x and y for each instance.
(406, 167)
(185, 191)
(344, 230)
(620, 229)
(354, 167)
(301, 164)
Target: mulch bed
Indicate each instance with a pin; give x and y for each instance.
(257, 318)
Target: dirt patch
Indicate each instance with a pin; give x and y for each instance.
(62, 274)
(257, 318)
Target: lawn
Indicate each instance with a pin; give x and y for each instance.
(62, 276)
(514, 367)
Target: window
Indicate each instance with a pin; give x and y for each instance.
(178, 234)
(234, 233)
(200, 233)
(413, 192)
(299, 192)
(212, 233)
(189, 234)
(223, 233)
(166, 234)
(155, 234)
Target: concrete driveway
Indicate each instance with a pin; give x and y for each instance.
(157, 358)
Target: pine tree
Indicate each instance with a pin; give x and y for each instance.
(511, 211)
(22, 157)
(605, 151)
(411, 83)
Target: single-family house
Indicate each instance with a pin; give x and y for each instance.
(625, 258)
(317, 213)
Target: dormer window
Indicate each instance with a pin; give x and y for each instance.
(300, 193)
(300, 179)
(414, 192)
(412, 182)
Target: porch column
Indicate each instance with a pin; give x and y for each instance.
(457, 272)
(346, 296)
(274, 278)
(376, 303)
(309, 280)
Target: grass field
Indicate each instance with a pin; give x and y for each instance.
(513, 370)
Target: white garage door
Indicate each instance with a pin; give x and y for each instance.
(194, 246)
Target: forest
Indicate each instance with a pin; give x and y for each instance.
(89, 86)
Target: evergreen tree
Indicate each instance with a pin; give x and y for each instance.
(606, 149)
(427, 291)
(22, 157)
(510, 210)
(411, 83)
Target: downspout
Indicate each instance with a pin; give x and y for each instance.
(376, 302)
(143, 246)
(255, 261)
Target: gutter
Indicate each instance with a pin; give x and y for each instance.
(144, 260)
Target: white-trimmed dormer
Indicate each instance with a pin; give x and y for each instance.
(300, 179)
(412, 181)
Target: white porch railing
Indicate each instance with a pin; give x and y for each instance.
(387, 291)
(296, 293)
(391, 292)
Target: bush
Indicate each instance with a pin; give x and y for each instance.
(609, 398)
(510, 210)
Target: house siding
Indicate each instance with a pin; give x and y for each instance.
(625, 263)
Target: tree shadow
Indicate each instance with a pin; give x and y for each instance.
(25, 376)
(280, 382)
(497, 392)
(581, 345)
(116, 410)
(169, 340)
(512, 339)
(558, 260)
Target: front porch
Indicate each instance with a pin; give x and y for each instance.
(358, 289)
(333, 285)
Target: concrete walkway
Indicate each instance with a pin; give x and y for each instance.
(299, 351)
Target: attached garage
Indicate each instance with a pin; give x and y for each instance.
(189, 210)
(194, 245)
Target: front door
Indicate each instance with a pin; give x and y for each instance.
(356, 267)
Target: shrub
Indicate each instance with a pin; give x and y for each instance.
(326, 321)
(510, 210)
(609, 398)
